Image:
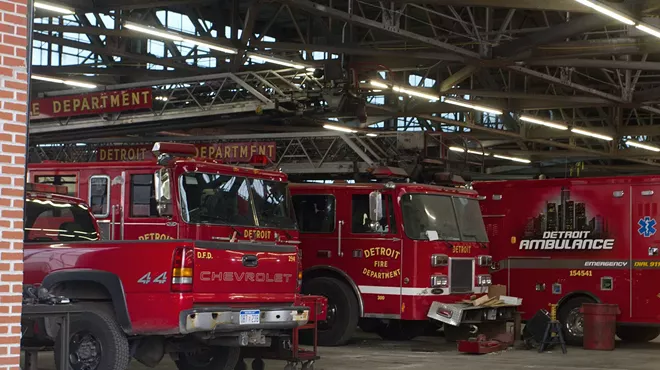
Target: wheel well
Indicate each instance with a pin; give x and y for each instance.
(82, 290)
(577, 294)
(335, 274)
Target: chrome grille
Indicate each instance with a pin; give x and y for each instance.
(461, 275)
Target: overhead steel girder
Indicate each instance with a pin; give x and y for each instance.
(395, 31)
(517, 136)
(595, 63)
(551, 5)
(116, 52)
(578, 87)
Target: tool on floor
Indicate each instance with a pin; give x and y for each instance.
(553, 334)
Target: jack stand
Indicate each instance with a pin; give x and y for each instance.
(553, 333)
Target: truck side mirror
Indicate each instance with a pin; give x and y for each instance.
(163, 192)
(375, 206)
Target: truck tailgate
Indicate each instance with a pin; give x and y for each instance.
(246, 272)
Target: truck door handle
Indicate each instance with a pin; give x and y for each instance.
(250, 261)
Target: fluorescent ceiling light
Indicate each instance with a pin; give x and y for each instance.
(64, 82)
(478, 153)
(514, 159)
(339, 128)
(154, 32)
(372, 135)
(592, 134)
(649, 30)
(473, 106)
(164, 34)
(53, 8)
(403, 90)
(608, 12)
(269, 59)
(212, 46)
(637, 144)
(461, 150)
(378, 84)
(418, 94)
(543, 122)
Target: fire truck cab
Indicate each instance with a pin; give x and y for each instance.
(575, 241)
(388, 256)
(178, 198)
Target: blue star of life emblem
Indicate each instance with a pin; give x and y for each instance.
(647, 226)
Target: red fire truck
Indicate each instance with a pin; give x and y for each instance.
(388, 256)
(179, 198)
(571, 241)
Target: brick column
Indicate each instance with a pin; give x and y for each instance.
(13, 119)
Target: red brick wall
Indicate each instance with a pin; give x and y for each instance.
(13, 119)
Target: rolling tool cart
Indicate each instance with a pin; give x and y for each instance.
(289, 349)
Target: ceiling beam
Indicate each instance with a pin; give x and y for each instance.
(116, 52)
(375, 25)
(517, 136)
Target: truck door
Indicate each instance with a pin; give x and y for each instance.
(141, 220)
(645, 258)
(103, 197)
(372, 256)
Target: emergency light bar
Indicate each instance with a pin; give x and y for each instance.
(174, 149)
(448, 179)
(259, 160)
(46, 188)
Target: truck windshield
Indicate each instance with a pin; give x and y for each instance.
(49, 220)
(451, 218)
(231, 200)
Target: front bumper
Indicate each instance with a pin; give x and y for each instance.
(227, 319)
(463, 313)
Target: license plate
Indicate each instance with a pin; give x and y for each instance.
(250, 317)
(492, 314)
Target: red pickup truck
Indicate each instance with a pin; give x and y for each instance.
(199, 302)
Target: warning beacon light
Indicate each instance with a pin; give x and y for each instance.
(166, 151)
(260, 160)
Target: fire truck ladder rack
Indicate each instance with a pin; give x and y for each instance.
(304, 154)
(199, 96)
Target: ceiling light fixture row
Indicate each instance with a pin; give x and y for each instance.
(514, 159)
(614, 14)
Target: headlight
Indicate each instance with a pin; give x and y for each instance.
(483, 280)
(484, 261)
(438, 260)
(439, 281)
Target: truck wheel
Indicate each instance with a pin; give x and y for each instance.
(572, 321)
(209, 358)
(401, 330)
(96, 342)
(370, 325)
(635, 334)
(342, 317)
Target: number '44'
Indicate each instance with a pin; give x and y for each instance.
(160, 279)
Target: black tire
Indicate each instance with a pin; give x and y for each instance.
(342, 310)
(370, 325)
(209, 358)
(96, 342)
(402, 330)
(637, 334)
(567, 315)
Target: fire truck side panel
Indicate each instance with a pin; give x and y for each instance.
(644, 249)
(609, 255)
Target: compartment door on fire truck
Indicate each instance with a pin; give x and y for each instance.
(142, 220)
(645, 256)
(373, 256)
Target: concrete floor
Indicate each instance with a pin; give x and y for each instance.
(371, 353)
